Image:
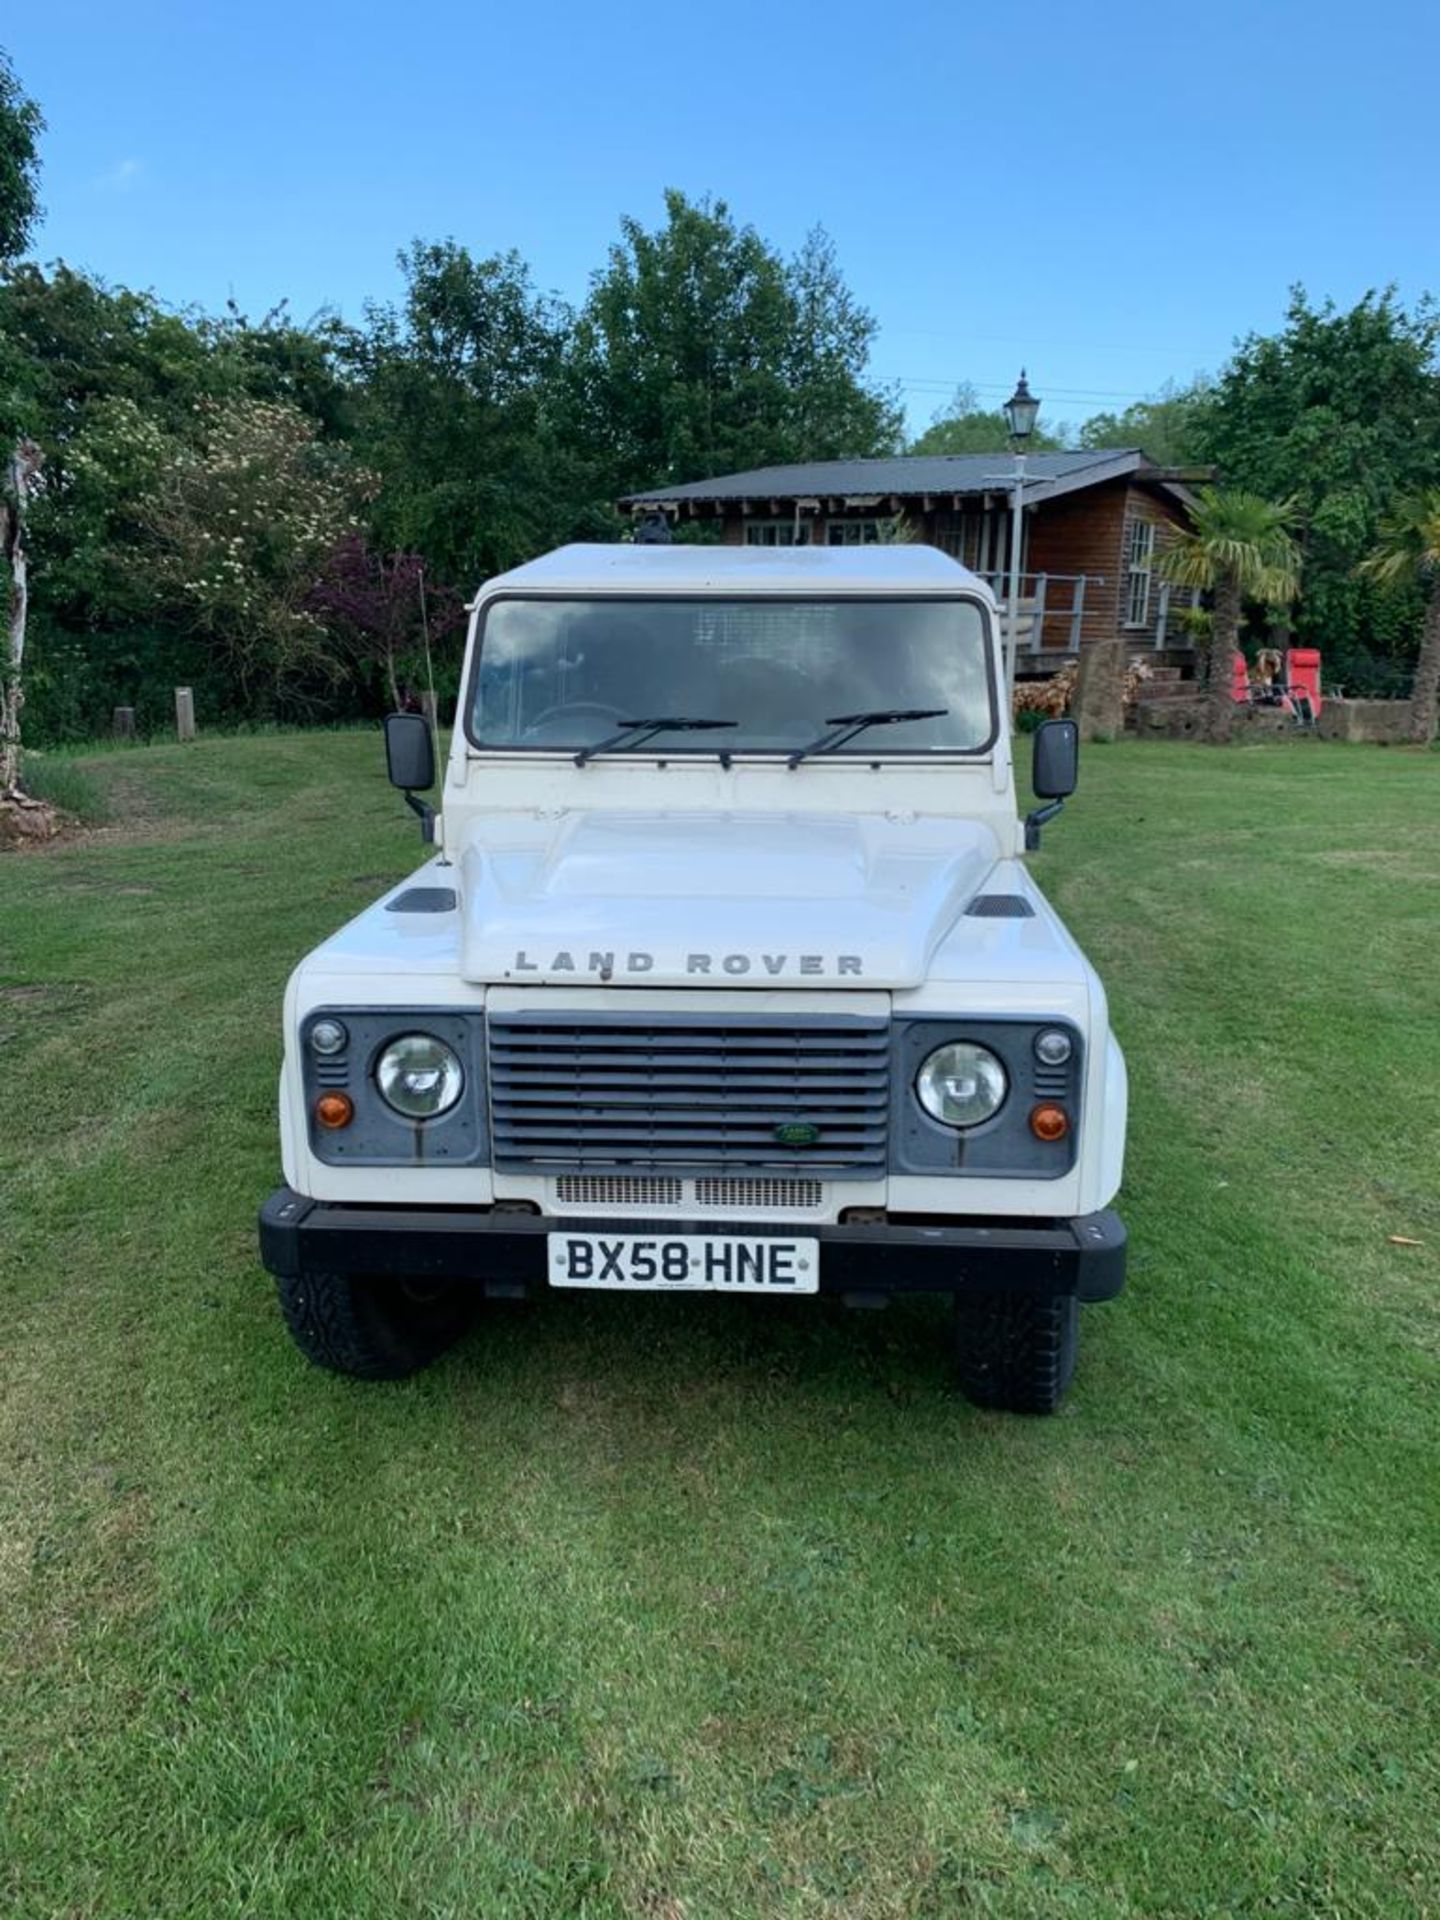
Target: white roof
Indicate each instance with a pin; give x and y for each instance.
(621, 568)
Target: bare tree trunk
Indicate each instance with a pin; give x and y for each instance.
(21, 469)
(1224, 639)
(1425, 689)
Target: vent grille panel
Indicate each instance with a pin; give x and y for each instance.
(725, 1193)
(743, 1194)
(673, 1094)
(618, 1190)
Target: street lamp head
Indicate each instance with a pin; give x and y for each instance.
(1021, 410)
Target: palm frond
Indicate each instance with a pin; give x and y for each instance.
(1238, 534)
(1408, 545)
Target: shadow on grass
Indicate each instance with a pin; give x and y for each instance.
(818, 1350)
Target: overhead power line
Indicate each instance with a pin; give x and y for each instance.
(925, 384)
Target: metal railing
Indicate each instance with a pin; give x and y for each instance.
(1041, 602)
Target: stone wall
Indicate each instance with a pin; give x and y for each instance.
(1170, 719)
(1374, 722)
(1379, 722)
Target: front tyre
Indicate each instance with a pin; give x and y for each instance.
(374, 1326)
(1016, 1351)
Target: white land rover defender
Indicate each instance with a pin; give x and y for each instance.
(728, 974)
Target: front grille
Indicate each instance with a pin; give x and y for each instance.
(671, 1092)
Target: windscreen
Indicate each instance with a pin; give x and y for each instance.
(570, 674)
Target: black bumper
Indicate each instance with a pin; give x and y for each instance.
(504, 1252)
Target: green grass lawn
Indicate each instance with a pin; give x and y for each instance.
(701, 1610)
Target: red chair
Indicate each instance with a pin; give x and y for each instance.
(1302, 674)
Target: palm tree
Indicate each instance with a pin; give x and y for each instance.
(1409, 549)
(1237, 547)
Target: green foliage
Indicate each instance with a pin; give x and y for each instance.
(700, 350)
(964, 426)
(21, 125)
(241, 523)
(457, 405)
(1168, 426)
(1408, 558)
(1408, 545)
(1233, 535)
(1341, 412)
(1196, 623)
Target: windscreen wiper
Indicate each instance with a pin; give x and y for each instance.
(632, 732)
(845, 726)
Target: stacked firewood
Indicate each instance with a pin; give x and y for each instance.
(1051, 697)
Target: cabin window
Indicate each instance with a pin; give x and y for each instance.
(1139, 566)
(853, 533)
(776, 533)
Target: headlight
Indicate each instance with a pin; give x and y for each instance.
(961, 1085)
(419, 1076)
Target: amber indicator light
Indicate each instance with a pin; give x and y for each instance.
(1049, 1122)
(334, 1110)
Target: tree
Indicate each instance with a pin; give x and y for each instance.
(1409, 552)
(379, 605)
(835, 412)
(964, 426)
(1168, 426)
(242, 524)
(16, 486)
(701, 351)
(457, 402)
(21, 125)
(1237, 547)
(1340, 411)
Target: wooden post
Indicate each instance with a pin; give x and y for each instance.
(123, 724)
(184, 713)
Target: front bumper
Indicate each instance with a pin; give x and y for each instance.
(503, 1252)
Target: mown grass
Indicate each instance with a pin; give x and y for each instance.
(665, 1609)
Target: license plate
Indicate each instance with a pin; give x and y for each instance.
(684, 1262)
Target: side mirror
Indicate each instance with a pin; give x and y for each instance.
(1054, 773)
(409, 752)
(410, 762)
(1055, 770)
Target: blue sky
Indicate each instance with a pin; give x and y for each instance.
(1109, 192)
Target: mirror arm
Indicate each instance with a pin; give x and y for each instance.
(426, 814)
(1036, 820)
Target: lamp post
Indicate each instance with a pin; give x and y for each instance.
(1020, 410)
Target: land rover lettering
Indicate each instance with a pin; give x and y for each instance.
(775, 966)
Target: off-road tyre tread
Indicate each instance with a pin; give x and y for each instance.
(366, 1326)
(1016, 1352)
